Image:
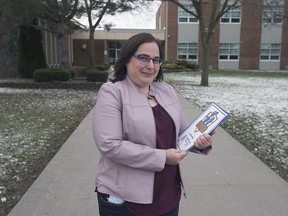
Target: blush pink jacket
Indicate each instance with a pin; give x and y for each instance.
(125, 134)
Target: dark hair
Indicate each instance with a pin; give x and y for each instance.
(128, 50)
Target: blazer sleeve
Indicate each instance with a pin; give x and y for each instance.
(108, 134)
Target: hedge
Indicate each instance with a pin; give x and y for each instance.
(51, 74)
(96, 75)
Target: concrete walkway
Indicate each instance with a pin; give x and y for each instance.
(229, 182)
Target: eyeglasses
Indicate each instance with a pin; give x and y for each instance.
(145, 59)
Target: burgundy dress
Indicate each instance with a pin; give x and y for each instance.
(167, 188)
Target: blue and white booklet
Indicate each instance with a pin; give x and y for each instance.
(206, 122)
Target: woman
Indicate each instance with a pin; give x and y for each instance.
(136, 121)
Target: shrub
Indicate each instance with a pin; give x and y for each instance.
(78, 71)
(42, 75)
(61, 75)
(51, 74)
(168, 62)
(193, 66)
(181, 64)
(73, 74)
(96, 75)
(103, 66)
(171, 66)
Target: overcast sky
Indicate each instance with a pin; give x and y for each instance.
(142, 19)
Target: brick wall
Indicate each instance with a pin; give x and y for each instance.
(172, 39)
(81, 56)
(250, 38)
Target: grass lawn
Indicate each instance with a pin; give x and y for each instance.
(258, 103)
(34, 125)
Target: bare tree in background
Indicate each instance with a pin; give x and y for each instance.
(208, 12)
(95, 10)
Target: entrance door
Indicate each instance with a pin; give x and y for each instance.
(114, 48)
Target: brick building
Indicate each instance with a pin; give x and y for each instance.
(247, 37)
(107, 44)
(251, 36)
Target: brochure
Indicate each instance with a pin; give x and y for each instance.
(206, 122)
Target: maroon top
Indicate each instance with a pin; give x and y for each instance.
(167, 189)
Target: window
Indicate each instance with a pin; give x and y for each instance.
(184, 17)
(113, 50)
(232, 16)
(229, 51)
(272, 14)
(187, 51)
(270, 51)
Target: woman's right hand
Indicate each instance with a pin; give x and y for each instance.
(174, 156)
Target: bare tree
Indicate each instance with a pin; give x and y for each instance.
(95, 10)
(208, 12)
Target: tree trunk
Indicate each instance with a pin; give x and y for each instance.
(92, 47)
(205, 66)
(63, 54)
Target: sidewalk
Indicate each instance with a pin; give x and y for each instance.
(231, 181)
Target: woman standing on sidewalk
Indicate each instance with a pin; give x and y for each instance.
(136, 121)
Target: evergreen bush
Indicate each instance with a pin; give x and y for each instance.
(51, 74)
(181, 64)
(193, 66)
(171, 66)
(103, 66)
(96, 75)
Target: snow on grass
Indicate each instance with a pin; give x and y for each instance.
(34, 124)
(259, 108)
(35, 121)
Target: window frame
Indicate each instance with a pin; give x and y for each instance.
(188, 17)
(270, 52)
(190, 56)
(228, 16)
(276, 13)
(230, 51)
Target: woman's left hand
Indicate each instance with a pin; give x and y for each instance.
(203, 141)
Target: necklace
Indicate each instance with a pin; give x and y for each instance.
(150, 97)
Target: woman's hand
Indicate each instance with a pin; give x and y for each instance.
(203, 141)
(174, 156)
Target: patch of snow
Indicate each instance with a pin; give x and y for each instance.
(261, 101)
(25, 129)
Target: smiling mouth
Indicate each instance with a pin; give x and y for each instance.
(147, 73)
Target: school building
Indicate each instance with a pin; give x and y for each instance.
(251, 36)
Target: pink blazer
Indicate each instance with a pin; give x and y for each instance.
(125, 134)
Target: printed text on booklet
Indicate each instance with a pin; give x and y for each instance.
(206, 122)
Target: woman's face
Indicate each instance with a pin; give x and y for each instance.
(141, 72)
